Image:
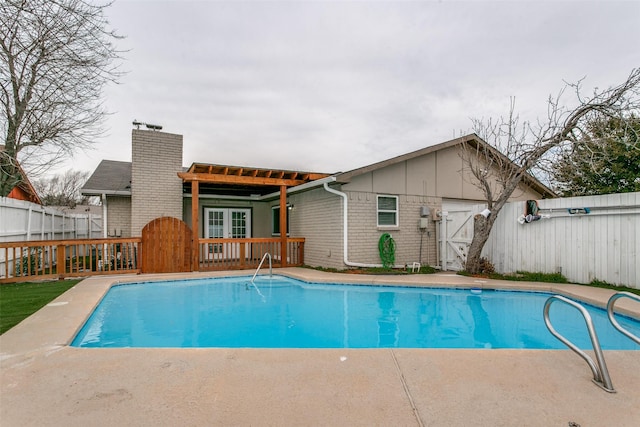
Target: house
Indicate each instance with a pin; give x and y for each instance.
(24, 190)
(415, 197)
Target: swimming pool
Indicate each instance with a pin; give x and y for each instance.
(281, 312)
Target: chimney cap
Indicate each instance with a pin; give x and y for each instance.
(149, 126)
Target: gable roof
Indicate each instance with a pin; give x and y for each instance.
(110, 177)
(472, 139)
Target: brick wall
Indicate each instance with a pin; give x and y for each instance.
(317, 216)
(156, 190)
(119, 217)
(364, 232)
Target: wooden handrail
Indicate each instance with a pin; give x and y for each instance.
(55, 259)
(68, 242)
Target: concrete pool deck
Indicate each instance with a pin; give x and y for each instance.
(43, 382)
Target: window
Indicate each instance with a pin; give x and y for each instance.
(387, 211)
(275, 220)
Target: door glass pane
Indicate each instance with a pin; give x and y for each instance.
(216, 224)
(216, 229)
(238, 224)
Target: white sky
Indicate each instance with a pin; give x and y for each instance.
(332, 86)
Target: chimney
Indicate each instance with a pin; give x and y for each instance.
(156, 190)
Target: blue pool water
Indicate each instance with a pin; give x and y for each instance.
(286, 313)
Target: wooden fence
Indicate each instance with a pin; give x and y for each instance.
(584, 238)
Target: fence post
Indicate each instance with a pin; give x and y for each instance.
(61, 264)
(29, 222)
(301, 253)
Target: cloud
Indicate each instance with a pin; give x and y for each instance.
(331, 86)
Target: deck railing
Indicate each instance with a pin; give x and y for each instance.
(46, 259)
(238, 254)
(57, 259)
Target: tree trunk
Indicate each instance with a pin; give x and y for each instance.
(481, 230)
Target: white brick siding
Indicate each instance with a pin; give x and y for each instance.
(119, 216)
(156, 189)
(364, 232)
(317, 216)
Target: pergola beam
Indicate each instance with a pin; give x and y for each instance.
(236, 179)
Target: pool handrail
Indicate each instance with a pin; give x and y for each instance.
(266, 255)
(611, 314)
(600, 373)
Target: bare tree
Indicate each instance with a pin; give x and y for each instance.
(62, 189)
(515, 149)
(57, 56)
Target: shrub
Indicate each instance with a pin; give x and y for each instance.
(29, 263)
(486, 267)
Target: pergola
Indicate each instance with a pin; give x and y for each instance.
(236, 180)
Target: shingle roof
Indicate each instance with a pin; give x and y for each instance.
(110, 177)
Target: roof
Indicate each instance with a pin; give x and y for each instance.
(24, 190)
(110, 177)
(114, 178)
(472, 139)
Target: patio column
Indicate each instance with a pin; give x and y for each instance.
(283, 225)
(195, 246)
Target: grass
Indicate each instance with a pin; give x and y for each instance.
(527, 276)
(523, 276)
(605, 285)
(20, 300)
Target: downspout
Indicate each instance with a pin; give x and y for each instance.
(345, 230)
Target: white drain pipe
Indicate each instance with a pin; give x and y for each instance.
(345, 230)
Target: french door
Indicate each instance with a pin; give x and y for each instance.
(225, 223)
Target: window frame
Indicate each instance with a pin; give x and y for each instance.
(274, 216)
(395, 211)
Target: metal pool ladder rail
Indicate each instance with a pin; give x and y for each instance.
(600, 373)
(611, 314)
(266, 255)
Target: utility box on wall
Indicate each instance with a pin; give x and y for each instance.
(423, 223)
